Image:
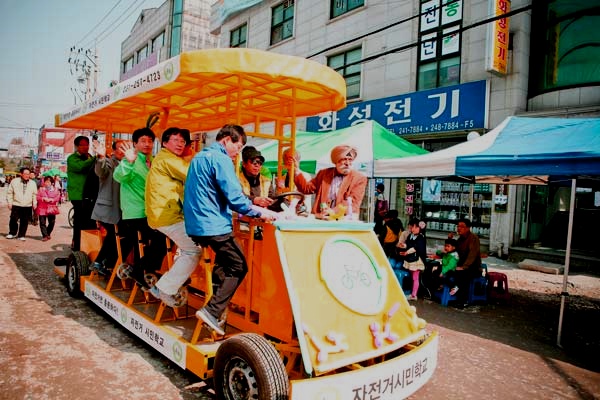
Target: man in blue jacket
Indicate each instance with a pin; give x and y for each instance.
(212, 191)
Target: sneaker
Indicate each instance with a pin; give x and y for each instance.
(22, 238)
(9, 236)
(210, 321)
(102, 270)
(411, 297)
(453, 290)
(169, 300)
(154, 292)
(45, 239)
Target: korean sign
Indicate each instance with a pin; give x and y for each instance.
(446, 109)
(498, 39)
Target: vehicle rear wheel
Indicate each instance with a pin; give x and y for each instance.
(71, 217)
(247, 366)
(77, 266)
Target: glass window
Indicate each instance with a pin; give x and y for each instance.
(439, 44)
(339, 7)
(237, 37)
(176, 28)
(351, 73)
(569, 57)
(158, 42)
(127, 65)
(142, 54)
(282, 21)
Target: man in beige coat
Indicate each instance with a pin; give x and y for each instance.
(22, 200)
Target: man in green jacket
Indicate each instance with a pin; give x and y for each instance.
(79, 165)
(131, 173)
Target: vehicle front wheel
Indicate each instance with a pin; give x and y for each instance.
(77, 266)
(247, 366)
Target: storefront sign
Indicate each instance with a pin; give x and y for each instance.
(452, 108)
(501, 198)
(497, 44)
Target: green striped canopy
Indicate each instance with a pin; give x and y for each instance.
(372, 141)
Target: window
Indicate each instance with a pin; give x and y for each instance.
(158, 42)
(439, 44)
(237, 37)
(351, 73)
(565, 46)
(282, 21)
(339, 7)
(176, 27)
(127, 65)
(142, 54)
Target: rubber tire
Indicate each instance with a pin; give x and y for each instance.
(77, 266)
(70, 218)
(249, 361)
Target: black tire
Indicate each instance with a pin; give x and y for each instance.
(247, 366)
(70, 217)
(77, 266)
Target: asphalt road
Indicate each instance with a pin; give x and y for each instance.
(55, 347)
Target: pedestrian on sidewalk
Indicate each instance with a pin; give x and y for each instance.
(47, 199)
(21, 199)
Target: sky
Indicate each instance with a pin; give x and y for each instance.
(37, 35)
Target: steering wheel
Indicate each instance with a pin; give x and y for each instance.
(281, 197)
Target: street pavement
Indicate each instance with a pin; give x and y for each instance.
(55, 347)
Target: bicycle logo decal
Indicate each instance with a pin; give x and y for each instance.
(352, 276)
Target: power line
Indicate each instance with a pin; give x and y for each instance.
(102, 20)
(383, 28)
(461, 30)
(118, 21)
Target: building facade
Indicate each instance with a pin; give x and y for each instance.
(433, 71)
(164, 32)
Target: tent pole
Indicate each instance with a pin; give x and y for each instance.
(565, 293)
(471, 191)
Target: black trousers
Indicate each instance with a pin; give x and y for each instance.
(82, 213)
(229, 270)
(155, 246)
(108, 251)
(47, 224)
(19, 220)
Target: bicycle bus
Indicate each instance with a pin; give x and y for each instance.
(319, 314)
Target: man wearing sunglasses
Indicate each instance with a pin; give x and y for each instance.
(255, 180)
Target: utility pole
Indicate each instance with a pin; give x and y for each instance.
(81, 62)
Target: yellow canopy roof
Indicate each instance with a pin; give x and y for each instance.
(203, 90)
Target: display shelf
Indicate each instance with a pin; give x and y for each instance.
(448, 202)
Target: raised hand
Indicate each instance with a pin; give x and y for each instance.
(129, 151)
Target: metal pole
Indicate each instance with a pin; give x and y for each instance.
(565, 293)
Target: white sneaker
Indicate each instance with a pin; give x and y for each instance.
(9, 236)
(22, 238)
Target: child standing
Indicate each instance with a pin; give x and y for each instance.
(415, 254)
(47, 200)
(449, 264)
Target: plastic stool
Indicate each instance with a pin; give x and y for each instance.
(400, 275)
(478, 287)
(444, 296)
(498, 286)
(478, 290)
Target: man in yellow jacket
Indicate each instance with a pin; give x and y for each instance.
(164, 208)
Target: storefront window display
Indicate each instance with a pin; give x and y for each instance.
(442, 203)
